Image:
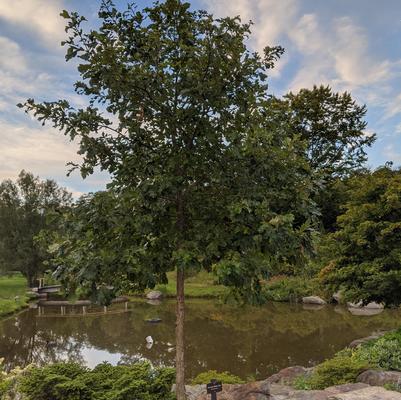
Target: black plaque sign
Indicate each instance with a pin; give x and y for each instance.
(213, 388)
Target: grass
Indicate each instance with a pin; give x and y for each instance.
(13, 295)
(201, 285)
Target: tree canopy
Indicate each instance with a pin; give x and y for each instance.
(24, 207)
(332, 124)
(367, 263)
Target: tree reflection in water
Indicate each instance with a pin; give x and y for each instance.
(244, 341)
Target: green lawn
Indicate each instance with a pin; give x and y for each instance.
(12, 294)
(201, 285)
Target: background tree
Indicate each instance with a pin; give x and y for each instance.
(367, 262)
(205, 185)
(24, 207)
(333, 127)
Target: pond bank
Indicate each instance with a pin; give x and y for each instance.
(13, 297)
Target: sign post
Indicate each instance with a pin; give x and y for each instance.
(213, 388)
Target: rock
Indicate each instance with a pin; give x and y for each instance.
(264, 390)
(347, 387)
(370, 306)
(368, 310)
(366, 339)
(313, 300)
(154, 295)
(337, 297)
(368, 393)
(379, 378)
(249, 391)
(279, 392)
(288, 375)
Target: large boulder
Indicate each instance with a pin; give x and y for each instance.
(250, 391)
(154, 295)
(379, 378)
(288, 375)
(366, 339)
(368, 393)
(313, 300)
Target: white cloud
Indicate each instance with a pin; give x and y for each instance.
(337, 54)
(391, 153)
(41, 16)
(11, 58)
(272, 20)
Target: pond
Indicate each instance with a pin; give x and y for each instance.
(248, 342)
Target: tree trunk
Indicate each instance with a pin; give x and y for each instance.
(179, 337)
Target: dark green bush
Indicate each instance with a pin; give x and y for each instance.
(344, 367)
(291, 289)
(69, 381)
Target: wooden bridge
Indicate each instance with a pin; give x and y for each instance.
(64, 306)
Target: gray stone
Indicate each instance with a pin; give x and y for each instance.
(368, 393)
(313, 300)
(249, 391)
(366, 339)
(337, 297)
(347, 387)
(370, 306)
(154, 295)
(379, 378)
(288, 375)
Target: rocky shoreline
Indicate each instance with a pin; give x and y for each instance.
(369, 385)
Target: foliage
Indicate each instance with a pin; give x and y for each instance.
(384, 353)
(367, 262)
(224, 377)
(69, 381)
(343, 368)
(290, 288)
(332, 124)
(24, 207)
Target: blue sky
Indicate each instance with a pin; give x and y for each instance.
(352, 45)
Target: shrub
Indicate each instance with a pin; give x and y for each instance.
(344, 367)
(384, 352)
(69, 381)
(291, 289)
(224, 377)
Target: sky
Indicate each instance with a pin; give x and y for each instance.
(351, 45)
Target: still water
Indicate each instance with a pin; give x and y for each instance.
(248, 342)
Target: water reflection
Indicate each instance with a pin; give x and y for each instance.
(245, 341)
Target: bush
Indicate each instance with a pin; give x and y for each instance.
(69, 381)
(224, 377)
(344, 367)
(291, 289)
(384, 352)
